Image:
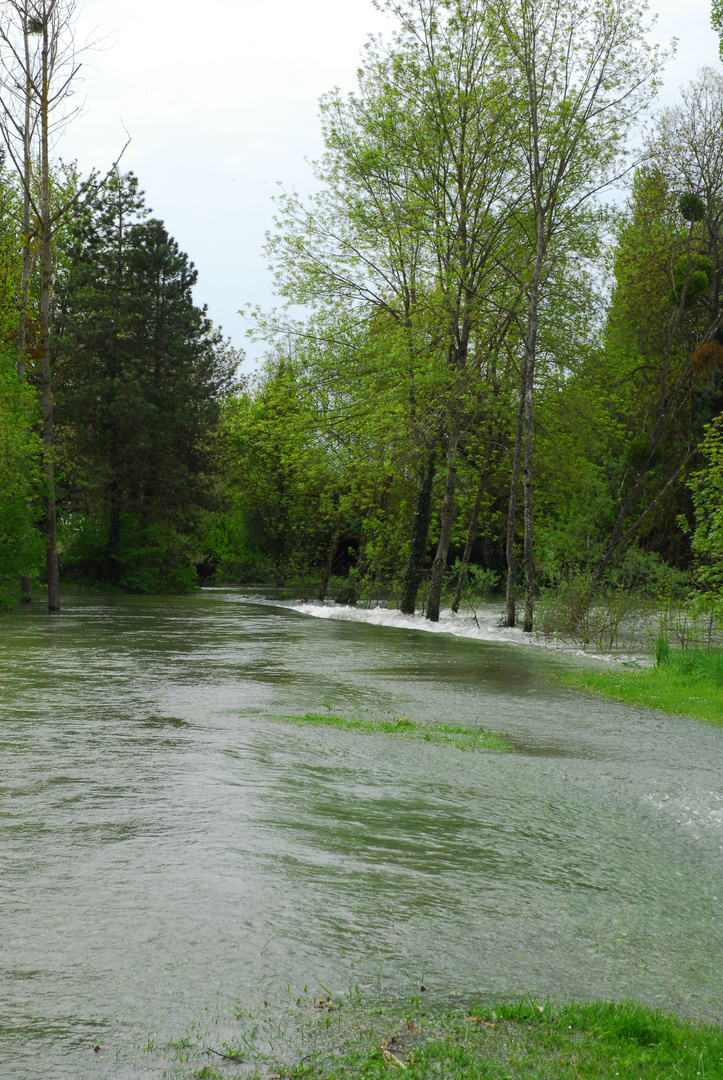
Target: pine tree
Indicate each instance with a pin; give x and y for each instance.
(145, 371)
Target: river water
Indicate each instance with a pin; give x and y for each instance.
(167, 847)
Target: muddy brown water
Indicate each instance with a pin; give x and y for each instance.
(165, 847)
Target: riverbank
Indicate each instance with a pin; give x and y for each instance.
(341, 1040)
(688, 683)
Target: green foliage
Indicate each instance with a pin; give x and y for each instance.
(662, 651)
(716, 19)
(136, 408)
(149, 558)
(287, 484)
(231, 548)
(691, 207)
(706, 486)
(697, 275)
(581, 608)
(21, 545)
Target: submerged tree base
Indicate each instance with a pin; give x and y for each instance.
(689, 684)
(463, 738)
(341, 1039)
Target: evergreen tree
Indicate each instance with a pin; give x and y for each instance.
(143, 372)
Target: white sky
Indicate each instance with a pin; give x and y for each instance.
(220, 99)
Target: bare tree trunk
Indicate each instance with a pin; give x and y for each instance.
(44, 73)
(25, 580)
(445, 529)
(471, 537)
(527, 488)
(420, 534)
(514, 489)
(45, 228)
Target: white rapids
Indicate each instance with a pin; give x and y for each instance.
(486, 626)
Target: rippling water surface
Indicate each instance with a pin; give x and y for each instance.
(166, 846)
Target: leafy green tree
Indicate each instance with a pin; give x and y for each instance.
(716, 20)
(21, 544)
(664, 343)
(580, 75)
(410, 224)
(706, 486)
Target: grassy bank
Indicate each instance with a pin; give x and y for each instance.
(687, 683)
(464, 738)
(487, 1041)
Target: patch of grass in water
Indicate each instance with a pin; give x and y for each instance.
(463, 738)
(688, 683)
(487, 1041)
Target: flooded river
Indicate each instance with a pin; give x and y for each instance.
(166, 846)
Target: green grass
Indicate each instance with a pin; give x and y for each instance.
(533, 1039)
(689, 683)
(344, 1040)
(464, 738)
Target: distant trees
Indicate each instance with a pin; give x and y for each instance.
(142, 376)
(460, 339)
(664, 333)
(456, 202)
(408, 232)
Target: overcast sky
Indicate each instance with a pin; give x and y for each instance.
(220, 99)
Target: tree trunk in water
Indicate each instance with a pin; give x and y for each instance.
(326, 573)
(471, 537)
(51, 535)
(420, 533)
(530, 356)
(445, 531)
(512, 511)
(25, 580)
(527, 487)
(51, 550)
(112, 565)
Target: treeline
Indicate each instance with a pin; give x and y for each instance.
(505, 377)
(503, 367)
(138, 374)
(111, 377)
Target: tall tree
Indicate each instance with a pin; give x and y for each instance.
(665, 326)
(418, 188)
(143, 376)
(581, 74)
(39, 69)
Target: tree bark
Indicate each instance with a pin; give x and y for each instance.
(25, 580)
(530, 357)
(45, 229)
(514, 490)
(471, 537)
(420, 534)
(528, 500)
(445, 529)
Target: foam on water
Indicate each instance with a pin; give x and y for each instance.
(486, 627)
